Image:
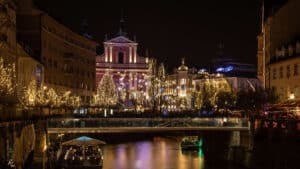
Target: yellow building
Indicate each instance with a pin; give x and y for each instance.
(68, 57)
(279, 51)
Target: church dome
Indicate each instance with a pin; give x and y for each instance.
(182, 67)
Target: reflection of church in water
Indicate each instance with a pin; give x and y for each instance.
(129, 70)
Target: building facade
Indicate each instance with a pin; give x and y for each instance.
(279, 51)
(179, 87)
(129, 70)
(28, 70)
(69, 58)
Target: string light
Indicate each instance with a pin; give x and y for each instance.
(106, 92)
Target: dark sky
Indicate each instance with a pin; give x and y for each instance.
(170, 29)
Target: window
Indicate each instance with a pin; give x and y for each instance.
(274, 73)
(121, 57)
(295, 69)
(281, 72)
(288, 71)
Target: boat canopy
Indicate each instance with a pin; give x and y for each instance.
(84, 140)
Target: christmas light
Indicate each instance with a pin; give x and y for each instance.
(7, 76)
(106, 92)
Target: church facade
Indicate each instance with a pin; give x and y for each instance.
(128, 69)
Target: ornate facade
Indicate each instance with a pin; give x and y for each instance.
(129, 70)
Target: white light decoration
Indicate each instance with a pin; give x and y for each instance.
(44, 96)
(7, 75)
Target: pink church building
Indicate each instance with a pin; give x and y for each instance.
(129, 70)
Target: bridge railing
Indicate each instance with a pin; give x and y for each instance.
(146, 122)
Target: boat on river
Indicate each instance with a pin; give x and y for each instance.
(191, 143)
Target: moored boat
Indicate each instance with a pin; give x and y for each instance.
(191, 143)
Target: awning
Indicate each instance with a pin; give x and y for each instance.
(84, 140)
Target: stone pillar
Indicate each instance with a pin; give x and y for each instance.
(40, 150)
(235, 138)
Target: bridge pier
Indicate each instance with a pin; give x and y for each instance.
(40, 150)
(16, 142)
(240, 147)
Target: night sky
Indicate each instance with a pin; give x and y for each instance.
(170, 29)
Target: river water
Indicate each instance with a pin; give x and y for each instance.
(220, 150)
(216, 153)
(156, 154)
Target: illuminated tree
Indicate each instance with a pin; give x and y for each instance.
(106, 92)
(225, 99)
(207, 95)
(30, 94)
(153, 87)
(7, 75)
(47, 97)
(161, 84)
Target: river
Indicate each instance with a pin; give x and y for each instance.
(165, 153)
(220, 150)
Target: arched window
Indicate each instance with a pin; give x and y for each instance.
(121, 57)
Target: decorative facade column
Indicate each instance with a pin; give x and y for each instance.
(106, 54)
(110, 53)
(134, 55)
(130, 54)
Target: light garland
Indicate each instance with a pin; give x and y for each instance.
(44, 96)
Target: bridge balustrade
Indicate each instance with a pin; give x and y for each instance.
(147, 122)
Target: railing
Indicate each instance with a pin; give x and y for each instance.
(148, 123)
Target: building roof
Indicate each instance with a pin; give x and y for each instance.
(120, 39)
(182, 67)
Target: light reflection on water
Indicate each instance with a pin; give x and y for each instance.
(157, 154)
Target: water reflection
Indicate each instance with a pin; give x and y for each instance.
(158, 154)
